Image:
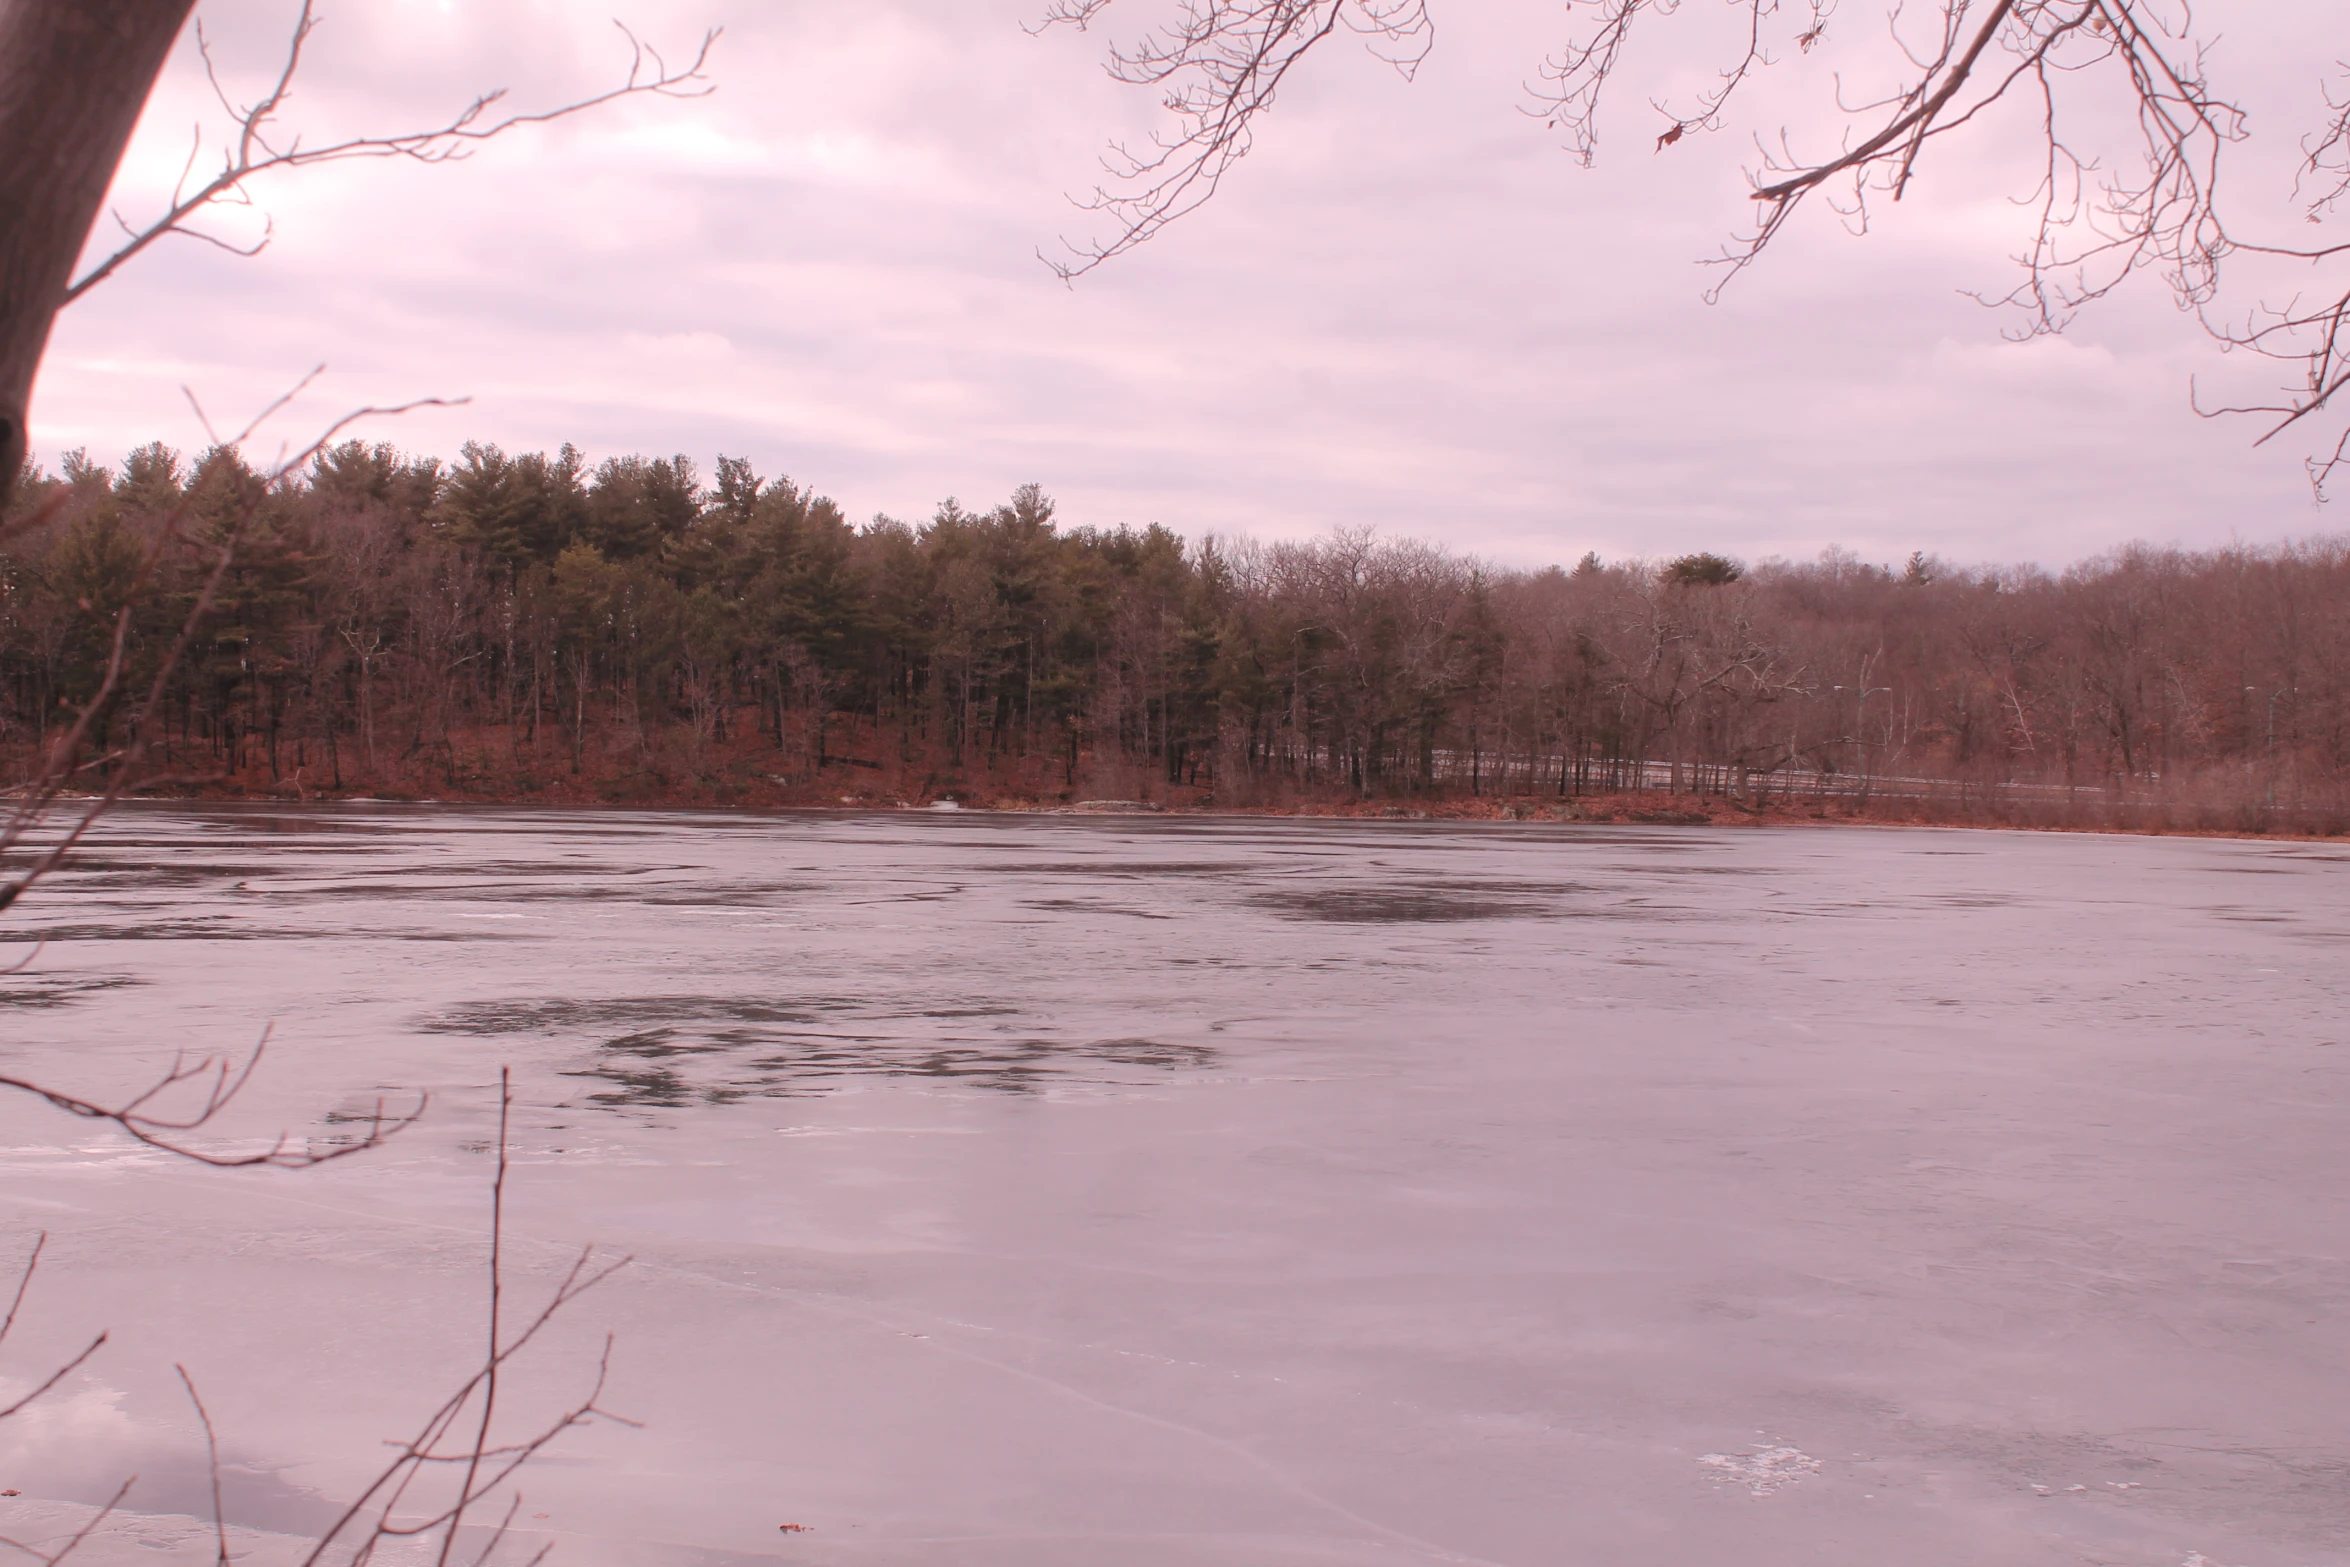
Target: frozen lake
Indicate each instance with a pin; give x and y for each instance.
(1088, 1192)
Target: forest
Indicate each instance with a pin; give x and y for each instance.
(533, 627)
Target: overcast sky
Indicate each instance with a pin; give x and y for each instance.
(1408, 309)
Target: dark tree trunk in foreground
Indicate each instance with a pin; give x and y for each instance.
(74, 75)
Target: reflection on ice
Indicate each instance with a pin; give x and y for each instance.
(1365, 906)
(686, 1050)
(31, 988)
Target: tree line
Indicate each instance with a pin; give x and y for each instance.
(531, 624)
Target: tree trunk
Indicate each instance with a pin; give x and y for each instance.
(74, 75)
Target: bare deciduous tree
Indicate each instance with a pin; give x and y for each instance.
(74, 75)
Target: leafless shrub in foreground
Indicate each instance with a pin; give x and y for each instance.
(74, 76)
(455, 1466)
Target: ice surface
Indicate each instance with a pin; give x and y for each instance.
(1066, 1192)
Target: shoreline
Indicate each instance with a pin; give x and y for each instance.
(1649, 809)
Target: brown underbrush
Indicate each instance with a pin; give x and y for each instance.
(861, 769)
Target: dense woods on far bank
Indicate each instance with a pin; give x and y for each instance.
(529, 627)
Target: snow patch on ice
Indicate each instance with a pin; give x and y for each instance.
(170, 1539)
(89, 1415)
(1767, 1468)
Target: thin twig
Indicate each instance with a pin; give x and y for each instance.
(254, 152)
(212, 1467)
(224, 1081)
(489, 1389)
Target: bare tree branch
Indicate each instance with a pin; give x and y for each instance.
(216, 1081)
(190, 1096)
(24, 1282)
(484, 1464)
(211, 1466)
(260, 147)
(1219, 65)
(2110, 196)
(480, 1465)
(65, 761)
(489, 1385)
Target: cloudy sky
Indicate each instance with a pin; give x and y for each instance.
(1409, 309)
